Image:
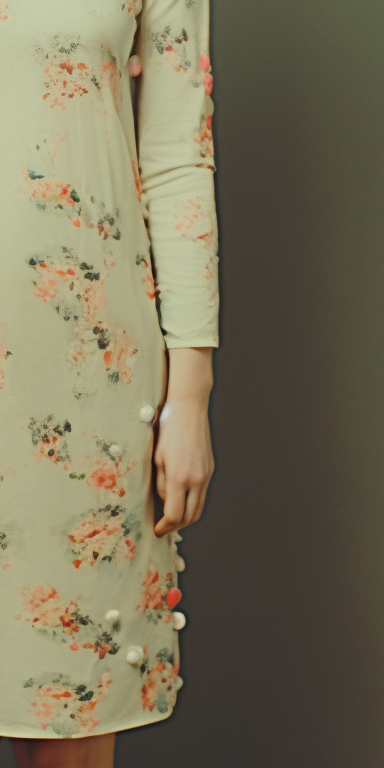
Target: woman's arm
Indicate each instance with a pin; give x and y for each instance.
(174, 111)
(183, 454)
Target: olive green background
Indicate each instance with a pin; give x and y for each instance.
(283, 652)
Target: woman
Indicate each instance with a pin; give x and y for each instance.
(108, 316)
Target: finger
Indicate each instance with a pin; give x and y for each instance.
(173, 509)
(160, 481)
(194, 504)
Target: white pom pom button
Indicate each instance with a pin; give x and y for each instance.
(135, 655)
(178, 682)
(112, 616)
(134, 65)
(179, 563)
(115, 450)
(147, 413)
(179, 620)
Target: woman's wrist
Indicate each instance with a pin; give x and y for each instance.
(190, 375)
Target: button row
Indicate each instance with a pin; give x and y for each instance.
(146, 414)
(111, 617)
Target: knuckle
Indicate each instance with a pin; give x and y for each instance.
(178, 478)
(200, 476)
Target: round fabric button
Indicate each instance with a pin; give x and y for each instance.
(179, 563)
(135, 655)
(112, 616)
(115, 450)
(178, 682)
(134, 65)
(147, 413)
(178, 620)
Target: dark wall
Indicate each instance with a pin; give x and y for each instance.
(283, 654)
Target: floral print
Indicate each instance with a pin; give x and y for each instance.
(75, 291)
(50, 440)
(107, 535)
(197, 222)
(173, 48)
(159, 688)
(111, 74)
(151, 290)
(106, 468)
(205, 66)
(68, 76)
(132, 7)
(63, 621)
(89, 302)
(4, 6)
(64, 707)
(4, 542)
(137, 179)
(159, 596)
(49, 193)
(203, 137)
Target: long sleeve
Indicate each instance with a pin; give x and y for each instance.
(174, 111)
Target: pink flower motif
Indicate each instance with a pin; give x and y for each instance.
(42, 606)
(46, 290)
(205, 62)
(3, 10)
(208, 83)
(117, 356)
(104, 477)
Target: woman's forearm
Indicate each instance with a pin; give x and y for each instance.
(190, 375)
(183, 454)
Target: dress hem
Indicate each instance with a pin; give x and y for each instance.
(85, 735)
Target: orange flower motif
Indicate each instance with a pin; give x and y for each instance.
(117, 356)
(154, 600)
(205, 65)
(102, 536)
(65, 707)
(103, 478)
(159, 689)
(113, 74)
(208, 83)
(3, 10)
(137, 180)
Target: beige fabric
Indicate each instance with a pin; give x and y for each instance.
(108, 255)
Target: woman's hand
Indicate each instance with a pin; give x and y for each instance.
(183, 454)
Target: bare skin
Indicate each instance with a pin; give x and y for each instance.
(183, 453)
(87, 752)
(184, 466)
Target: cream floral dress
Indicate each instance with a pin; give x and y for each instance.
(108, 257)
